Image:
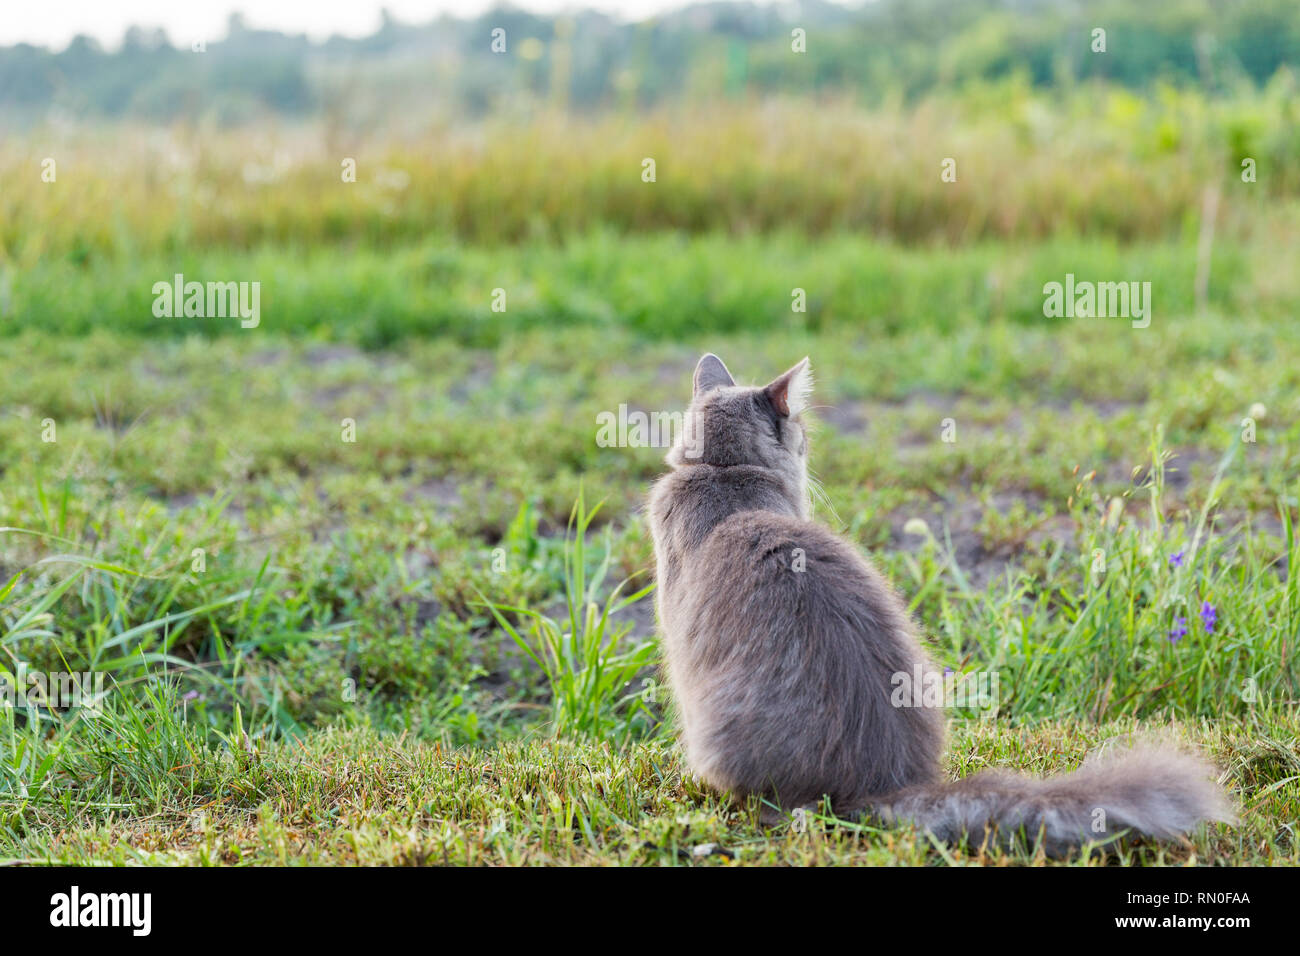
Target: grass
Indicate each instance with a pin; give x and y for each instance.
(333, 657)
(381, 297)
(408, 647)
(591, 679)
(144, 788)
(1097, 161)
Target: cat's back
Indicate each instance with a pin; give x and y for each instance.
(770, 541)
(761, 580)
(786, 556)
(781, 642)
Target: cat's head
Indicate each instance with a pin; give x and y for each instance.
(728, 424)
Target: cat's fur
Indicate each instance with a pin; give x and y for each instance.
(781, 641)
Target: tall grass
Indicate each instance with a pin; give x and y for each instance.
(589, 671)
(1142, 614)
(1097, 161)
(214, 633)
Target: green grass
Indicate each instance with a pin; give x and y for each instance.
(591, 679)
(661, 286)
(326, 682)
(144, 787)
(334, 691)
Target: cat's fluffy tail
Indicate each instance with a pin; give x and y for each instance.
(1155, 791)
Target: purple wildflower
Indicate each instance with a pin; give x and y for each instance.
(1176, 559)
(1209, 616)
(1179, 631)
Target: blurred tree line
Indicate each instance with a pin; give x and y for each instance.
(888, 50)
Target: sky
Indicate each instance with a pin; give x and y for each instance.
(53, 23)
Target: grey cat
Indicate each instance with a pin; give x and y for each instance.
(782, 645)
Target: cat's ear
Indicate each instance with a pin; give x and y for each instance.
(790, 392)
(711, 373)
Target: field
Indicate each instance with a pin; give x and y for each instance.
(320, 559)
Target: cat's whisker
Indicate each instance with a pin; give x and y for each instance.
(819, 494)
